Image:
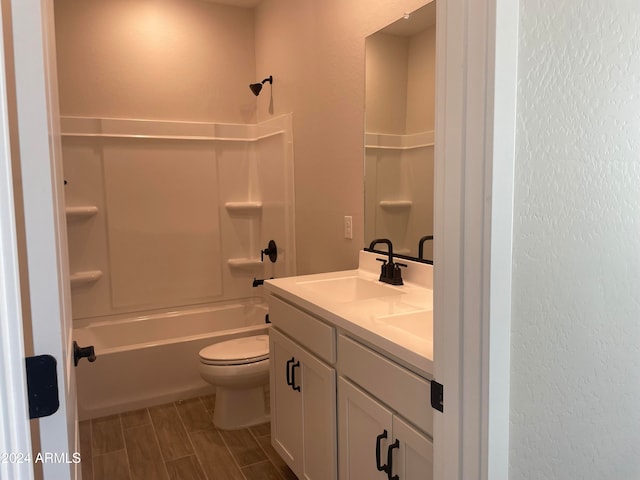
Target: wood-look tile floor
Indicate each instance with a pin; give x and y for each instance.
(177, 441)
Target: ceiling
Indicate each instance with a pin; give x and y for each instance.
(417, 22)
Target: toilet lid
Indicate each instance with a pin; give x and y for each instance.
(237, 351)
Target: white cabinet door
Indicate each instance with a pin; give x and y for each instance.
(286, 403)
(318, 388)
(413, 459)
(365, 433)
(303, 409)
(372, 437)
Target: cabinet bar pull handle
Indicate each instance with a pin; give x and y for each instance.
(293, 376)
(289, 362)
(395, 444)
(381, 468)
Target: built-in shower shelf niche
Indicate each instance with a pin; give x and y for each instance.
(396, 205)
(85, 278)
(79, 213)
(244, 263)
(383, 141)
(243, 208)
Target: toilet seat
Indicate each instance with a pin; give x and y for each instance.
(239, 351)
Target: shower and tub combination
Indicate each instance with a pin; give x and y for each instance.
(151, 359)
(167, 222)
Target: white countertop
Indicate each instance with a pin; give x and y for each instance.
(397, 320)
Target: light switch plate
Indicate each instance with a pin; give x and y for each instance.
(348, 227)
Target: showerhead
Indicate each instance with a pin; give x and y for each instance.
(257, 87)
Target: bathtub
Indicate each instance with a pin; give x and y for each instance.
(153, 359)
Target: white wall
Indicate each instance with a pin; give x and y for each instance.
(386, 79)
(421, 82)
(575, 356)
(315, 52)
(170, 60)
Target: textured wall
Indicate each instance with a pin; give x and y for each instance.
(575, 381)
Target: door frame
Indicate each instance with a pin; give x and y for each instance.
(30, 73)
(473, 223)
(474, 211)
(15, 435)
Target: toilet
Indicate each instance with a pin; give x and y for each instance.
(239, 369)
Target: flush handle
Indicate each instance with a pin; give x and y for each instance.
(79, 352)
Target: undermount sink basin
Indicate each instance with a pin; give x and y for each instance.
(419, 323)
(350, 289)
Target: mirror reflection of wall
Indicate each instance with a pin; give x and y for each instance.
(399, 132)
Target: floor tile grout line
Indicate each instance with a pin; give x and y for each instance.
(210, 415)
(280, 474)
(267, 455)
(193, 448)
(155, 435)
(267, 460)
(124, 443)
(232, 456)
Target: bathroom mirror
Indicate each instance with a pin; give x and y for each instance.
(399, 133)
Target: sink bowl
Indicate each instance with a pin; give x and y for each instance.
(419, 323)
(350, 289)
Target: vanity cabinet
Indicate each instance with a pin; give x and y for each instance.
(343, 406)
(303, 386)
(384, 417)
(375, 443)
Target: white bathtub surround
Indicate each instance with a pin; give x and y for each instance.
(179, 210)
(152, 359)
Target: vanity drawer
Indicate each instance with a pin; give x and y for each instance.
(405, 392)
(312, 333)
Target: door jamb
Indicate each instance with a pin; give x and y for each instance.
(473, 222)
(15, 438)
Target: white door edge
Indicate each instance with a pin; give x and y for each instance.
(473, 219)
(45, 229)
(15, 435)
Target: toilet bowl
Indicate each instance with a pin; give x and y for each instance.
(239, 369)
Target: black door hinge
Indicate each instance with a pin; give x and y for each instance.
(437, 396)
(42, 386)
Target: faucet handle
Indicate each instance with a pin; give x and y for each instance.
(397, 273)
(385, 271)
(271, 251)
